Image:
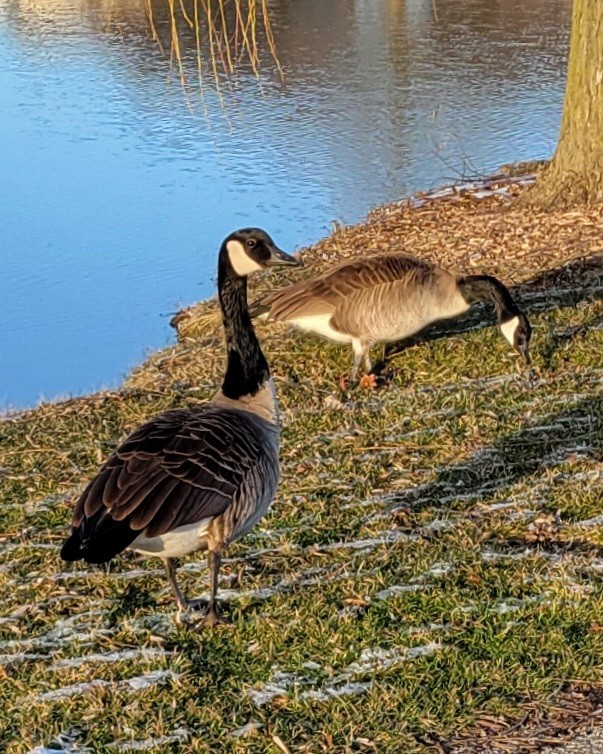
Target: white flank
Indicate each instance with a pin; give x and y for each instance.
(320, 325)
(508, 329)
(174, 544)
(241, 262)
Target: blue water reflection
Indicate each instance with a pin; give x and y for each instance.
(118, 184)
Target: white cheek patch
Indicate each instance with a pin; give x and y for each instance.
(241, 262)
(508, 329)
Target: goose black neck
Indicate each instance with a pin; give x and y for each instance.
(247, 368)
(475, 288)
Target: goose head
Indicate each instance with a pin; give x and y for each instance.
(249, 250)
(517, 331)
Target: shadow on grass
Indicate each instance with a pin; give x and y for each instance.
(516, 457)
(581, 280)
(132, 598)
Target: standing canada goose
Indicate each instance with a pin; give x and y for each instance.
(385, 298)
(199, 478)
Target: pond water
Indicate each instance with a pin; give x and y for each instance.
(121, 174)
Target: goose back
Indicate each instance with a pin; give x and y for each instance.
(183, 467)
(381, 298)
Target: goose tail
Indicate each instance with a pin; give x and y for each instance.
(98, 539)
(72, 548)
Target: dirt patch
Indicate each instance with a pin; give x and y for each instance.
(575, 710)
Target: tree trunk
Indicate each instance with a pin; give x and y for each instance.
(575, 173)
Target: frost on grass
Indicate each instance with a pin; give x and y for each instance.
(333, 691)
(595, 521)
(64, 743)
(417, 584)
(396, 589)
(9, 660)
(371, 661)
(244, 730)
(64, 632)
(136, 683)
(145, 653)
(180, 735)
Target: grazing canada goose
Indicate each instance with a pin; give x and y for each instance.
(385, 298)
(199, 478)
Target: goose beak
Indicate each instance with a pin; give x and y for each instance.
(279, 258)
(524, 350)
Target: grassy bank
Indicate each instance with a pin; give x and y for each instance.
(431, 569)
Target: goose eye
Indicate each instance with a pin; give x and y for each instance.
(250, 242)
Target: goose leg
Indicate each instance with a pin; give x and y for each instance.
(359, 353)
(170, 567)
(378, 367)
(212, 614)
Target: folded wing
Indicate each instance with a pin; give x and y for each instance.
(325, 295)
(177, 469)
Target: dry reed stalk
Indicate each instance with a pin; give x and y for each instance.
(211, 25)
(270, 39)
(244, 28)
(225, 37)
(198, 44)
(235, 35)
(185, 14)
(149, 8)
(219, 39)
(254, 57)
(175, 43)
(210, 36)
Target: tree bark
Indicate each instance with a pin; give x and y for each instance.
(575, 173)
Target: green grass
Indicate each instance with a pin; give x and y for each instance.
(441, 512)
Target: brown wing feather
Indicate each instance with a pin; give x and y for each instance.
(179, 468)
(369, 312)
(325, 294)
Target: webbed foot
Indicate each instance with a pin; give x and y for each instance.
(212, 617)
